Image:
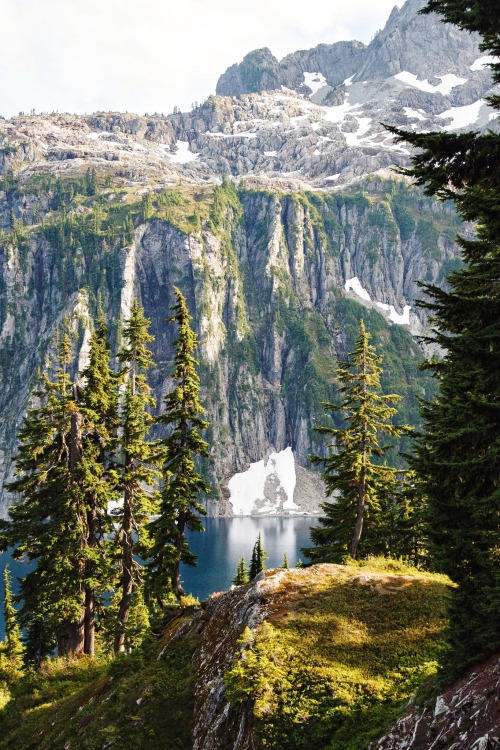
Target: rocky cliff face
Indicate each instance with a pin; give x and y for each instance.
(467, 715)
(311, 120)
(275, 283)
(278, 262)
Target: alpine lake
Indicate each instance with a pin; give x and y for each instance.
(219, 549)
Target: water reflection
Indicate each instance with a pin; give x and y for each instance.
(219, 550)
(225, 540)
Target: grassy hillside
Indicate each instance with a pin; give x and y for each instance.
(336, 658)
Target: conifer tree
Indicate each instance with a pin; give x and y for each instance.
(48, 526)
(98, 402)
(285, 562)
(136, 457)
(458, 453)
(13, 650)
(180, 506)
(241, 577)
(65, 485)
(400, 529)
(259, 557)
(349, 469)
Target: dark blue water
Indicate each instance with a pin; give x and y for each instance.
(219, 549)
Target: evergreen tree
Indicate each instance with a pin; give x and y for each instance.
(349, 469)
(65, 485)
(259, 557)
(13, 645)
(98, 402)
(180, 507)
(400, 529)
(285, 562)
(136, 457)
(146, 207)
(241, 577)
(458, 453)
(49, 525)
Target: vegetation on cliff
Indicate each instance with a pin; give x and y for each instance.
(355, 468)
(339, 653)
(458, 452)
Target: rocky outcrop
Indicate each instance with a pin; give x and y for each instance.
(467, 715)
(312, 120)
(421, 44)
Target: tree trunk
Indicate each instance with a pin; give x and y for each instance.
(72, 641)
(360, 512)
(90, 591)
(89, 621)
(360, 519)
(127, 578)
(176, 568)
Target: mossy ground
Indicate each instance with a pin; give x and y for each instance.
(341, 651)
(138, 701)
(340, 654)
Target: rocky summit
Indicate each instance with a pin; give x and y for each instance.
(310, 223)
(314, 119)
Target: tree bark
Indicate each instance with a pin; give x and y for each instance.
(127, 578)
(72, 641)
(176, 569)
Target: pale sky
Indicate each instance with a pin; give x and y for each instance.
(151, 55)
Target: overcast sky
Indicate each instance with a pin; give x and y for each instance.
(88, 55)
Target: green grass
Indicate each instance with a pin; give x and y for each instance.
(341, 651)
(336, 669)
(130, 702)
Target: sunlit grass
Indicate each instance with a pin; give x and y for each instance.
(335, 671)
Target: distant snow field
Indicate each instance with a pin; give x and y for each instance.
(183, 155)
(395, 317)
(266, 487)
(461, 117)
(414, 114)
(314, 81)
(354, 285)
(482, 62)
(403, 319)
(448, 82)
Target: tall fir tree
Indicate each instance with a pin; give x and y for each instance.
(258, 559)
(183, 484)
(241, 576)
(458, 453)
(65, 482)
(136, 470)
(349, 469)
(98, 402)
(48, 526)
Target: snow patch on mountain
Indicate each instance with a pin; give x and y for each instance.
(461, 117)
(448, 82)
(355, 139)
(413, 114)
(482, 62)
(266, 488)
(314, 81)
(183, 154)
(402, 319)
(354, 285)
(395, 317)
